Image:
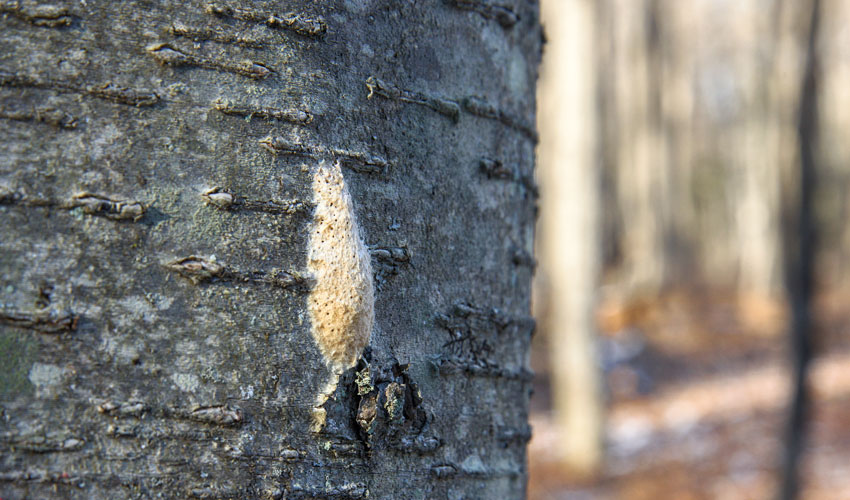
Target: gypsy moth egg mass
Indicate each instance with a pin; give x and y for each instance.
(342, 301)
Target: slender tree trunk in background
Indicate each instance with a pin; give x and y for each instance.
(643, 194)
(835, 150)
(760, 160)
(678, 54)
(569, 244)
(800, 246)
(605, 50)
(756, 178)
(771, 152)
(834, 118)
(159, 330)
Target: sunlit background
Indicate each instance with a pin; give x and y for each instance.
(669, 173)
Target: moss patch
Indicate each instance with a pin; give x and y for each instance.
(18, 352)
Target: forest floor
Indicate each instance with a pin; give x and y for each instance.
(697, 390)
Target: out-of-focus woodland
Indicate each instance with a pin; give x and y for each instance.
(672, 136)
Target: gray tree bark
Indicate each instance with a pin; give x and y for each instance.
(159, 329)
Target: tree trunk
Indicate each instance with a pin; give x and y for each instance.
(643, 168)
(569, 236)
(801, 239)
(188, 195)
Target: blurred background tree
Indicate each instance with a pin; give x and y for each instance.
(569, 228)
(670, 153)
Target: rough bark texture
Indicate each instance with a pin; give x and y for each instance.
(156, 160)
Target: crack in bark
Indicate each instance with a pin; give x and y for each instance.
(88, 203)
(200, 269)
(353, 160)
(448, 365)
(217, 35)
(450, 108)
(443, 106)
(167, 55)
(48, 115)
(48, 16)
(495, 169)
(504, 15)
(110, 208)
(219, 415)
(296, 116)
(224, 200)
(43, 321)
(107, 91)
(297, 23)
(44, 443)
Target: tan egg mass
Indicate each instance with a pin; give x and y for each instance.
(342, 301)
